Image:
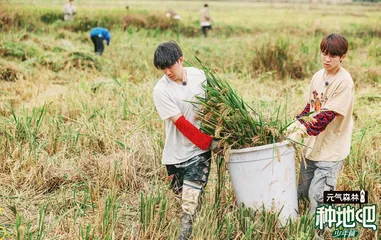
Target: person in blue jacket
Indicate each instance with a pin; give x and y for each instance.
(97, 35)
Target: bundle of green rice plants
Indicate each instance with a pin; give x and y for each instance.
(225, 116)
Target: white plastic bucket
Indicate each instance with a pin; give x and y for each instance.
(265, 176)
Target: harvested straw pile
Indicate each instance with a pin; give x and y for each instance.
(150, 21)
(135, 20)
(226, 116)
(6, 21)
(17, 50)
(10, 72)
(54, 62)
(83, 61)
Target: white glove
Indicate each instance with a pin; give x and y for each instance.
(216, 147)
(293, 127)
(297, 133)
(213, 145)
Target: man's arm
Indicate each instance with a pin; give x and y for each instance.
(301, 129)
(107, 37)
(194, 134)
(174, 118)
(305, 111)
(167, 109)
(207, 15)
(322, 120)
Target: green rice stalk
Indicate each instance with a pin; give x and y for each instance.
(226, 116)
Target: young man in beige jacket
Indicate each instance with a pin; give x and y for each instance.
(205, 20)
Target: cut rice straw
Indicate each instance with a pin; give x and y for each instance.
(225, 116)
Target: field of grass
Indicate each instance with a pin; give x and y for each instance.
(80, 139)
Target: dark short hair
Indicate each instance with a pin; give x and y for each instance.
(167, 54)
(205, 5)
(334, 44)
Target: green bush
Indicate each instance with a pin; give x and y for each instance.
(284, 59)
(51, 17)
(84, 24)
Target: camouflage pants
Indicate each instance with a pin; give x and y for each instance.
(194, 170)
(188, 180)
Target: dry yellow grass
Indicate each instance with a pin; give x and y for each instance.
(89, 147)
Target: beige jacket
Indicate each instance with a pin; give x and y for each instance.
(205, 17)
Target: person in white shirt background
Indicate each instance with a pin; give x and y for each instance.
(69, 10)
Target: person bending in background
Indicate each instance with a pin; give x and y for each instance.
(69, 11)
(330, 129)
(187, 150)
(98, 35)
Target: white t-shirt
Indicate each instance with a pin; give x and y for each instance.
(69, 11)
(171, 99)
(333, 144)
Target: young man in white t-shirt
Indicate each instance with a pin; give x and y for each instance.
(186, 153)
(330, 127)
